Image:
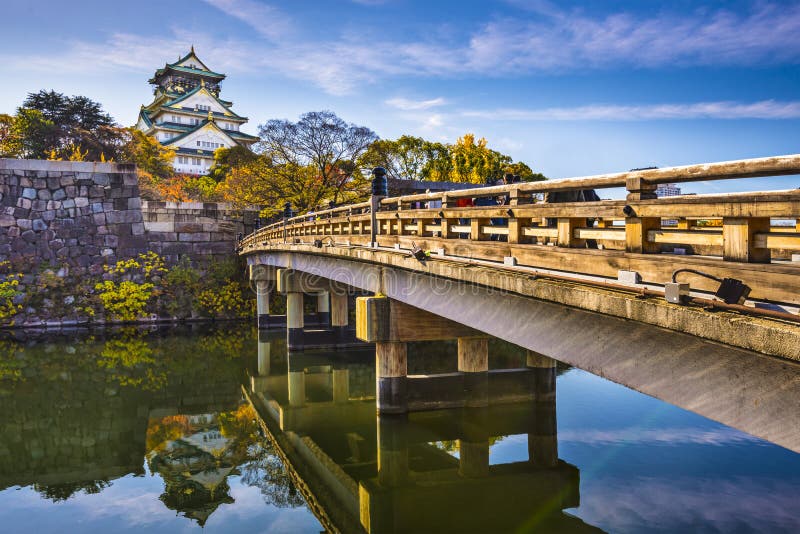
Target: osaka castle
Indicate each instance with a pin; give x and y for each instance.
(188, 115)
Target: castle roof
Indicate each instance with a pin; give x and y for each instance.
(180, 68)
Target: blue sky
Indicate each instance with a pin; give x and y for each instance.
(571, 88)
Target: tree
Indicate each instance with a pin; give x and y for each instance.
(10, 146)
(524, 172)
(31, 131)
(404, 158)
(227, 158)
(148, 154)
(473, 162)
(53, 124)
(325, 143)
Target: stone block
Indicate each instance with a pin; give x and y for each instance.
(160, 227)
(25, 224)
(68, 203)
(21, 213)
(187, 227)
(137, 228)
(134, 203)
(99, 218)
(81, 202)
(29, 193)
(44, 194)
(199, 236)
(67, 180)
(101, 179)
(39, 205)
(24, 203)
(7, 220)
(126, 216)
(59, 194)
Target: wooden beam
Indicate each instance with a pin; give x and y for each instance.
(739, 243)
(637, 230)
(379, 319)
(699, 237)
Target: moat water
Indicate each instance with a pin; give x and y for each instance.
(201, 429)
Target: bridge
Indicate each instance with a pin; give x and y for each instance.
(692, 284)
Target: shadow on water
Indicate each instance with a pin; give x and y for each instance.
(209, 414)
(85, 409)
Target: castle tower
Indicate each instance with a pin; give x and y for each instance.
(188, 115)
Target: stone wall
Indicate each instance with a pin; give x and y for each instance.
(203, 231)
(78, 214)
(62, 222)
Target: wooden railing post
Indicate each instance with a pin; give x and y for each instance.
(636, 228)
(379, 192)
(566, 232)
(738, 239)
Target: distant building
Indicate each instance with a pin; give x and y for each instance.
(188, 115)
(668, 190)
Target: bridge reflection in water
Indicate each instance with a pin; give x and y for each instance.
(421, 471)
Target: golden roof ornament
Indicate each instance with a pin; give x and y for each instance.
(210, 116)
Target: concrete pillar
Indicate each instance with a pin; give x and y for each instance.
(294, 321)
(473, 361)
(263, 295)
(263, 358)
(392, 450)
(339, 315)
(543, 438)
(391, 373)
(323, 309)
(297, 384)
(341, 384)
(473, 461)
(544, 369)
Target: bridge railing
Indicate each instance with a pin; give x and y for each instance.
(728, 235)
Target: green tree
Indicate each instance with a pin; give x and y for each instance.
(227, 158)
(148, 154)
(404, 158)
(524, 172)
(31, 131)
(53, 124)
(10, 145)
(324, 143)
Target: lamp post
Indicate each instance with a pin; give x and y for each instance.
(287, 213)
(380, 189)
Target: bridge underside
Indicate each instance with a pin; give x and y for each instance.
(735, 386)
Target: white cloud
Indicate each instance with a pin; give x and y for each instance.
(559, 40)
(406, 104)
(269, 21)
(545, 39)
(765, 109)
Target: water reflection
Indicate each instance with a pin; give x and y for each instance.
(138, 431)
(423, 472)
(86, 413)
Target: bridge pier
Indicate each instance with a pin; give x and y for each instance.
(391, 375)
(390, 325)
(296, 384)
(262, 278)
(473, 361)
(323, 309)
